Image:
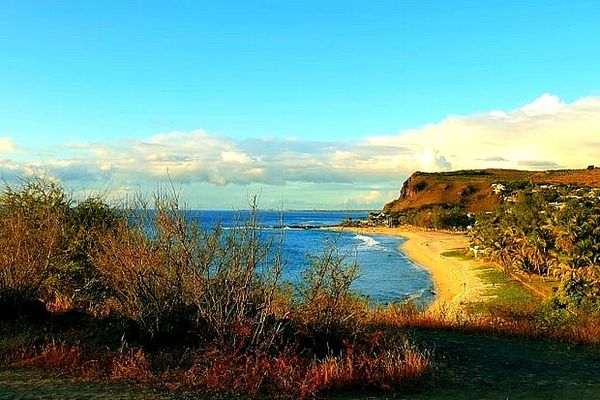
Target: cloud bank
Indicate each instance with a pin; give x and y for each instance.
(546, 133)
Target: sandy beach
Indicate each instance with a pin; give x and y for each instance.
(456, 280)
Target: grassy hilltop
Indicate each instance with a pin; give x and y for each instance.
(472, 189)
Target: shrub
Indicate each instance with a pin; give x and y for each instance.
(143, 276)
(438, 217)
(449, 218)
(168, 274)
(328, 308)
(579, 291)
(32, 241)
(218, 288)
(77, 283)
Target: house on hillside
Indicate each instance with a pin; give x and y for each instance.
(380, 218)
(498, 188)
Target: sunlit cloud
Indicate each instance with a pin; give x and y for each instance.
(370, 197)
(546, 133)
(6, 145)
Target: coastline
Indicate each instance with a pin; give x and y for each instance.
(456, 280)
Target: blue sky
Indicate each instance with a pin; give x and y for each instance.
(116, 73)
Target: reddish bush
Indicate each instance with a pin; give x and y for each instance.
(131, 366)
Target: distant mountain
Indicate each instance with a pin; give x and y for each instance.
(479, 190)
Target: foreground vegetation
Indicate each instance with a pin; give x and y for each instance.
(140, 293)
(468, 366)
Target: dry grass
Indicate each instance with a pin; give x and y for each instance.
(536, 324)
(54, 356)
(131, 366)
(291, 375)
(287, 374)
(60, 303)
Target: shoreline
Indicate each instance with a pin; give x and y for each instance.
(456, 280)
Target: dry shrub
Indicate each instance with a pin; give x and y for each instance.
(78, 281)
(167, 274)
(172, 277)
(138, 273)
(325, 289)
(45, 240)
(31, 240)
(54, 356)
(131, 366)
(328, 311)
(234, 287)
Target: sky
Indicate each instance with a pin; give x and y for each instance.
(311, 104)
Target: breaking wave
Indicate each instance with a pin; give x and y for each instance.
(368, 243)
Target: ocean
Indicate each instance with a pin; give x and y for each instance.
(386, 274)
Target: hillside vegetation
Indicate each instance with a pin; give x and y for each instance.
(550, 231)
(542, 224)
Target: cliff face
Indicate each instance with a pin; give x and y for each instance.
(413, 185)
(472, 189)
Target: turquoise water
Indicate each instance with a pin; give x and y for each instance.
(386, 274)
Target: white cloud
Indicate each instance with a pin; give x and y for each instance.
(545, 104)
(370, 196)
(235, 157)
(542, 134)
(546, 133)
(7, 145)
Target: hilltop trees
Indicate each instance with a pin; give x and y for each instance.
(436, 217)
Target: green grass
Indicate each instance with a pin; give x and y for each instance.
(502, 287)
(35, 384)
(504, 295)
(459, 253)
